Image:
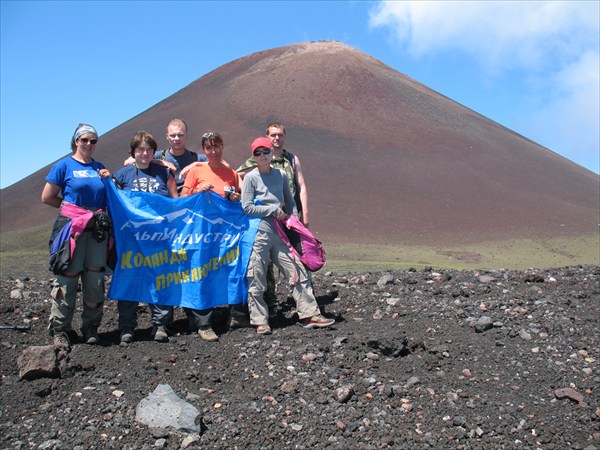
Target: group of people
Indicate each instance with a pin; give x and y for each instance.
(269, 184)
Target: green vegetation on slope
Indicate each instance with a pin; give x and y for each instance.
(511, 254)
(24, 253)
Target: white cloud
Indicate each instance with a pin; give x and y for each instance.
(570, 119)
(497, 34)
(550, 48)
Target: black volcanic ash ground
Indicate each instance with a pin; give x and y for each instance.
(418, 359)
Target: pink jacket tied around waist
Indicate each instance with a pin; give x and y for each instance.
(79, 219)
(64, 243)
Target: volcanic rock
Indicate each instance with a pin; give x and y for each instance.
(420, 377)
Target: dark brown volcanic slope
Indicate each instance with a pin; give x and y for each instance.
(387, 159)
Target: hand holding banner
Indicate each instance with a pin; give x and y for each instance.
(190, 251)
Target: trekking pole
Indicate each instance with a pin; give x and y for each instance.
(15, 327)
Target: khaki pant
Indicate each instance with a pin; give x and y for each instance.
(89, 254)
(268, 246)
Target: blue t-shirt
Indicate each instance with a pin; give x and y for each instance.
(79, 182)
(180, 162)
(153, 179)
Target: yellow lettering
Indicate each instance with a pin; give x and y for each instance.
(138, 260)
(182, 255)
(155, 260)
(163, 257)
(126, 260)
(232, 255)
(160, 282)
(177, 277)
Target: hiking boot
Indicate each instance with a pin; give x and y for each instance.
(160, 333)
(239, 322)
(90, 336)
(263, 329)
(317, 321)
(61, 339)
(127, 335)
(207, 334)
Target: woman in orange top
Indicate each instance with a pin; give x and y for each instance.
(221, 179)
(215, 175)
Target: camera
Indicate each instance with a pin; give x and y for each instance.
(102, 225)
(228, 191)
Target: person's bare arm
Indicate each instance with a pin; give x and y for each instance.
(185, 192)
(167, 164)
(50, 195)
(303, 192)
(172, 187)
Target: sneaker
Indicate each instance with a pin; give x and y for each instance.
(127, 335)
(239, 322)
(61, 339)
(208, 334)
(264, 329)
(317, 321)
(160, 334)
(90, 336)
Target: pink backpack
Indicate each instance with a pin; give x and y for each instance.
(301, 242)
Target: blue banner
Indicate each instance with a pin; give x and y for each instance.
(190, 251)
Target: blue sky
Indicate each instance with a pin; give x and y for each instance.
(531, 66)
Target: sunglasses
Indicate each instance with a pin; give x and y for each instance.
(91, 141)
(264, 151)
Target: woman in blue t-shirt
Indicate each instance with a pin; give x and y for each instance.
(146, 177)
(75, 180)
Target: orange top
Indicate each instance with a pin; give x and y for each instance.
(219, 178)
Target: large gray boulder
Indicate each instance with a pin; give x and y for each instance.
(164, 409)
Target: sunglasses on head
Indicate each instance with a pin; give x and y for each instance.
(264, 151)
(91, 141)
